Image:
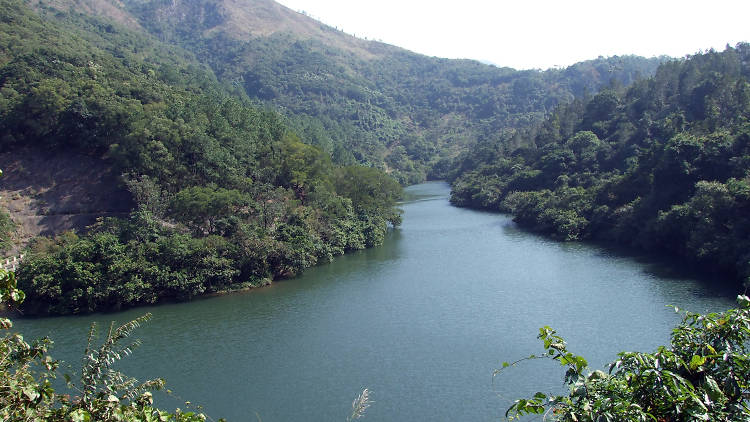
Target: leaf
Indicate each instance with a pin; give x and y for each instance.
(80, 415)
(713, 389)
(31, 393)
(5, 323)
(732, 388)
(697, 361)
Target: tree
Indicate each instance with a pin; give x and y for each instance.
(201, 207)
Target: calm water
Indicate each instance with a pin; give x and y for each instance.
(421, 321)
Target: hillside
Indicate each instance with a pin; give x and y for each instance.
(51, 192)
(662, 166)
(163, 98)
(209, 191)
(363, 101)
(236, 19)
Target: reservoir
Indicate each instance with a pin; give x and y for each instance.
(421, 321)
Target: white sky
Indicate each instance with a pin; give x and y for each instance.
(527, 34)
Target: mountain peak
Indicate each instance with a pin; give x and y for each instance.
(243, 20)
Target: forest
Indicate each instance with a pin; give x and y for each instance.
(225, 194)
(662, 166)
(239, 174)
(371, 103)
(249, 159)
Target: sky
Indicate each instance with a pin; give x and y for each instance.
(539, 34)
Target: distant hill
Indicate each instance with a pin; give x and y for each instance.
(360, 101)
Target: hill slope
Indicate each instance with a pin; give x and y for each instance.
(364, 101)
(49, 192)
(224, 194)
(663, 165)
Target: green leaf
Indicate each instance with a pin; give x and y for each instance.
(80, 415)
(697, 361)
(732, 388)
(31, 393)
(713, 389)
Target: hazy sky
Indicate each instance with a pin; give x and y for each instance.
(528, 34)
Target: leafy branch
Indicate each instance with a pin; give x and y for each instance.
(701, 376)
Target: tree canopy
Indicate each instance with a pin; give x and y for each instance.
(663, 165)
(226, 194)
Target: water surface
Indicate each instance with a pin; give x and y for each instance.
(421, 321)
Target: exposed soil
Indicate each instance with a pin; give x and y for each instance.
(112, 9)
(48, 193)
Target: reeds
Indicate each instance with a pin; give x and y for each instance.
(359, 405)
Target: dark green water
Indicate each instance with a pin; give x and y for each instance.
(421, 321)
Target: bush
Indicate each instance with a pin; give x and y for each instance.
(703, 375)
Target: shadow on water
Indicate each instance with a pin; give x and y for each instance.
(429, 191)
(668, 268)
(671, 268)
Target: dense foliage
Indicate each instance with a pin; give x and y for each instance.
(702, 375)
(368, 102)
(226, 194)
(7, 227)
(663, 165)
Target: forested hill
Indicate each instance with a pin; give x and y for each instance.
(225, 194)
(663, 165)
(175, 95)
(360, 101)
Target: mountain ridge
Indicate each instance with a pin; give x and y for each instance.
(405, 113)
(364, 101)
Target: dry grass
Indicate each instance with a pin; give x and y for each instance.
(244, 19)
(360, 405)
(241, 20)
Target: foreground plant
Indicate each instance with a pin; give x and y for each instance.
(26, 371)
(360, 405)
(702, 375)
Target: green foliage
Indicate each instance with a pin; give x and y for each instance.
(227, 195)
(370, 103)
(219, 239)
(202, 207)
(662, 165)
(702, 375)
(27, 371)
(7, 228)
(98, 380)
